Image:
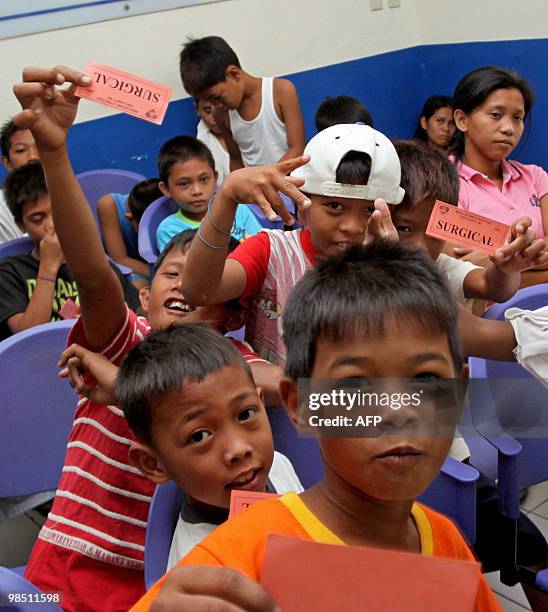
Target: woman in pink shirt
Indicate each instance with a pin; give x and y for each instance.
(490, 107)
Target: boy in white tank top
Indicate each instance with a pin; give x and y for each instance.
(260, 117)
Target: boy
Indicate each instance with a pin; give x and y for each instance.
(213, 137)
(260, 117)
(17, 148)
(187, 175)
(342, 109)
(208, 442)
(91, 547)
(374, 312)
(35, 286)
(119, 216)
(428, 176)
(353, 172)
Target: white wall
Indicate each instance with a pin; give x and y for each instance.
(447, 21)
(271, 37)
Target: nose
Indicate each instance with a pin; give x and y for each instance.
(353, 225)
(196, 188)
(237, 448)
(32, 153)
(401, 419)
(507, 126)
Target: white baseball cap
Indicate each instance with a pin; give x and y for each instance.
(326, 151)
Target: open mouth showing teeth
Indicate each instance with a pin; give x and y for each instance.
(178, 306)
(243, 479)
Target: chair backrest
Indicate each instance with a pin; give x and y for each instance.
(13, 584)
(97, 183)
(36, 410)
(19, 246)
(513, 400)
(162, 518)
(264, 221)
(151, 219)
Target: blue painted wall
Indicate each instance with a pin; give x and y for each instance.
(392, 85)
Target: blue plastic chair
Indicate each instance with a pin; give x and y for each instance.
(97, 183)
(36, 410)
(516, 462)
(11, 582)
(151, 219)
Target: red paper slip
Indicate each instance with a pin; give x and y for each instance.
(306, 576)
(467, 229)
(69, 310)
(240, 500)
(126, 92)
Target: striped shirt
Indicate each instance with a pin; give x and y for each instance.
(91, 547)
(274, 262)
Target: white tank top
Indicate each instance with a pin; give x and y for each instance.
(262, 140)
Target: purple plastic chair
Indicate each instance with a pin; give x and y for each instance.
(37, 410)
(516, 462)
(151, 219)
(264, 221)
(11, 583)
(19, 246)
(97, 183)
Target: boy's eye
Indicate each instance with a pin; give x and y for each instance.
(496, 115)
(334, 206)
(171, 273)
(247, 414)
(183, 185)
(427, 376)
(370, 209)
(403, 229)
(199, 436)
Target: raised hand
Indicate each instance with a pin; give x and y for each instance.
(261, 184)
(522, 250)
(78, 362)
(51, 255)
(48, 111)
(380, 223)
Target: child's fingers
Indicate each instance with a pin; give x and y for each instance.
(287, 166)
(264, 205)
(520, 226)
(289, 187)
(25, 119)
(517, 245)
(58, 75)
(534, 249)
(461, 251)
(278, 205)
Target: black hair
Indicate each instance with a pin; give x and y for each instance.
(426, 174)
(141, 196)
(24, 184)
(476, 86)
(180, 241)
(203, 63)
(361, 291)
(181, 149)
(8, 130)
(162, 362)
(354, 168)
(342, 109)
(433, 104)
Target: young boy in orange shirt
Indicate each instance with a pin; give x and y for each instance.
(377, 312)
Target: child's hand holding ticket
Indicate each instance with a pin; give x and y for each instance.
(126, 92)
(512, 249)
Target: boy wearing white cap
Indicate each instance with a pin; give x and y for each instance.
(346, 177)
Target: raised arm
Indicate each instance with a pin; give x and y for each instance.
(286, 95)
(49, 113)
(486, 338)
(215, 279)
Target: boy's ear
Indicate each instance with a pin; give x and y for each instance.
(460, 120)
(233, 72)
(424, 122)
(6, 162)
(144, 298)
(288, 394)
(164, 189)
(147, 463)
